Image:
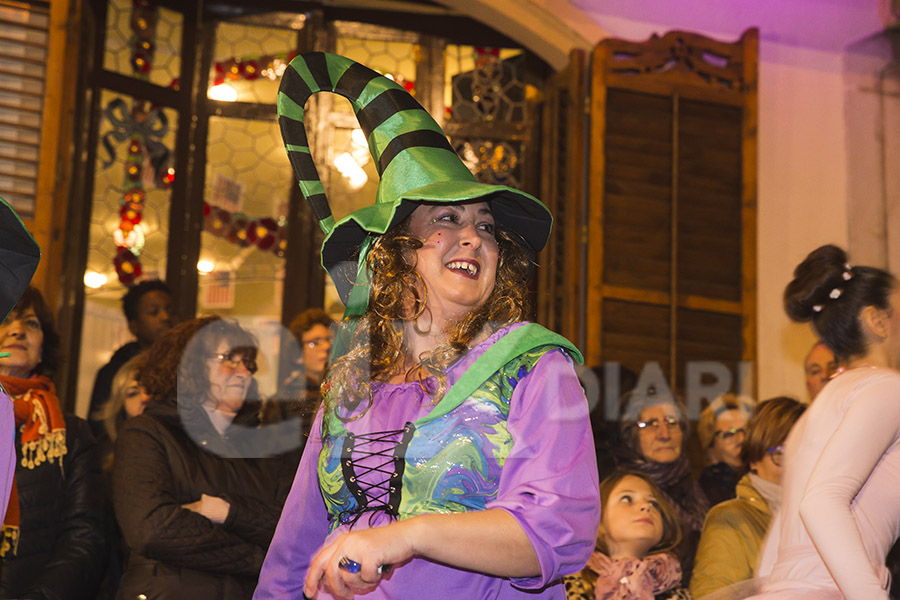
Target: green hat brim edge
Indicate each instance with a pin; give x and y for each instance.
(513, 210)
(19, 258)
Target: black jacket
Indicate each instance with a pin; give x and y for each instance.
(165, 460)
(64, 514)
(718, 482)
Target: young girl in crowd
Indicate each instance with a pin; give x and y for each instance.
(635, 551)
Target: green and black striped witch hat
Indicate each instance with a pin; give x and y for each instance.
(19, 257)
(414, 160)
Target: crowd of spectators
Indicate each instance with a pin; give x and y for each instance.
(180, 492)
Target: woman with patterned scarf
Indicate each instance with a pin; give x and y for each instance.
(54, 535)
(652, 426)
(453, 456)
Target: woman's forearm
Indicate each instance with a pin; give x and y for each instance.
(487, 541)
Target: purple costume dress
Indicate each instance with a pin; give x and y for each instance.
(7, 449)
(521, 443)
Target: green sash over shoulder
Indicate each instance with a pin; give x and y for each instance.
(515, 343)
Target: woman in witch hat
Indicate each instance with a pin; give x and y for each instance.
(19, 257)
(453, 455)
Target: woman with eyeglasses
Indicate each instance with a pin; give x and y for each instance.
(299, 395)
(195, 497)
(722, 429)
(653, 426)
(840, 508)
(733, 534)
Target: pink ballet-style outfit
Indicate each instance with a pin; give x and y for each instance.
(840, 512)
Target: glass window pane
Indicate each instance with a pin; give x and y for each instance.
(143, 42)
(487, 84)
(390, 54)
(249, 61)
(124, 172)
(248, 182)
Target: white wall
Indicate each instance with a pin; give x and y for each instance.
(802, 195)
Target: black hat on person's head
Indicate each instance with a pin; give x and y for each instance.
(19, 257)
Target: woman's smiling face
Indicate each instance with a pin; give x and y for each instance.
(23, 337)
(458, 257)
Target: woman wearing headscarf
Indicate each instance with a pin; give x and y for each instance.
(54, 534)
(452, 457)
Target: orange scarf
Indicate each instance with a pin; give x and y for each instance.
(42, 438)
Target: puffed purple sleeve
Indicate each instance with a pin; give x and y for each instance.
(549, 482)
(301, 529)
(7, 449)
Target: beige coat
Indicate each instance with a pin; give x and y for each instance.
(731, 541)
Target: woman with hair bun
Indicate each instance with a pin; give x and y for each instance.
(840, 509)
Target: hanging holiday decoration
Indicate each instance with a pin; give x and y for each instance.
(128, 267)
(140, 124)
(270, 66)
(144, 125)
(266, 233)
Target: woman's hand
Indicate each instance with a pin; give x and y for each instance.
(371, 548)
(212, 507)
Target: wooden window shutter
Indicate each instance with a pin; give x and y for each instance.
(560, 283)
(24, 38)
(671, 227)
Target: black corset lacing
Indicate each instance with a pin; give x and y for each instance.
(381, 492)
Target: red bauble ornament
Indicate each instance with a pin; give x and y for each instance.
(128, 267)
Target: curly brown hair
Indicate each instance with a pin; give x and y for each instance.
(307, 320)
(176, 362)
(378, 348)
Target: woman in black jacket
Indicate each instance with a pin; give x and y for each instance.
(54, 534)
(195, 497)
